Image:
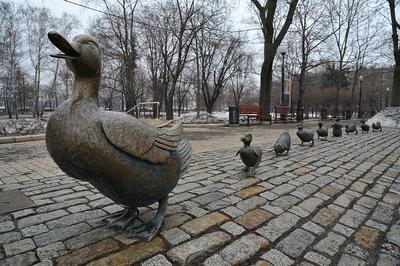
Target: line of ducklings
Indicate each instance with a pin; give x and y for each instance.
(251, 155)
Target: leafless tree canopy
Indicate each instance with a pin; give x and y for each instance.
(187, 55)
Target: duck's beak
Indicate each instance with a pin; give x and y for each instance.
(61, 43)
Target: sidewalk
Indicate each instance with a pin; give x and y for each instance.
(336, 203)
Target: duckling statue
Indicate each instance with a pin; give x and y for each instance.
(364, 127)
(305, 135)
(250, 155)
(337, 128)
(351, 128)
(132, 163)
(322, 131)
(376, 126)
(282, 144)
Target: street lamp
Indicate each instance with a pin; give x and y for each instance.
(283, 79)
(387, 96)
(360, 78)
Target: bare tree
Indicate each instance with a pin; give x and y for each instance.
(396, 53)
(117, 31)
(309, 28)
(37, 23)
(343, 18)
(272, 39)
(11, 55)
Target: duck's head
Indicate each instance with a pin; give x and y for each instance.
(82, 55)
(320, 124)
(300, 126)
(247, 139)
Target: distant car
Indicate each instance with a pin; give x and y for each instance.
(49, 109)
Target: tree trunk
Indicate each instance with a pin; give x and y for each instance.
(395, 101)
(337, 101)
(169, 108)
(266, 85)
(300, 99)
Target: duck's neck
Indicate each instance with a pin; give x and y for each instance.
(86, 89)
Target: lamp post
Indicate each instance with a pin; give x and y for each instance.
(360, 78)
(283, 79)
(387, 96)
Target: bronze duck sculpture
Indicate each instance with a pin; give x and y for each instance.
(250, 155)
(322, 131)
(282, 144)
(305, 135)
(376, 126)
(364, 127)
(351, 128)
(130, 162)
(337, 128)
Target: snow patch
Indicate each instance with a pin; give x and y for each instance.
(204, 118)
(18, 127)
(389, 117)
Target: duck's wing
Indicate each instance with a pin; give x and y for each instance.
(257, 152)
(139, 139)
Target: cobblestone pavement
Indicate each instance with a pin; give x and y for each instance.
(336, 203)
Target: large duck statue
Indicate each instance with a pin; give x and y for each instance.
(250, 155)
(130, 162)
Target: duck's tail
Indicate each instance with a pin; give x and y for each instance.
(184, 151)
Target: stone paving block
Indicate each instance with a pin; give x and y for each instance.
(175, 236)
(367, 237)
(352, 218)
(232, 211)
(330, 244)
(344, 200)
(346, 260)
(296, 243)
(243, 249)
(210, 197)
(18, 247)
(201, 224)
(9, 237)
(278, 226)
(250, 191)
(357, 251)
(215, 260)
(34, 230)
(344, 230)
(313, 228)
(393, 235)
(51, 251)
(285, 202)
(197, 248)
(90, 237)
(233, 228)
(283, 189)
(6, 226)
(383, 213)
(277, 258)
(60, 234)
(61, 205)
(310, 204)
(40, 218)
(251, 203)
(317, 258)
(326, 216)
(75, 218)
(129, 256)
(253, 219)
(175, 220)
(89, 253)
(27, 258)
(158, 260)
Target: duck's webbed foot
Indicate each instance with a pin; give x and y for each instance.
(123, 221)
(148, 231)
(252, 172)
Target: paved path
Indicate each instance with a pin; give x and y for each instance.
(334, 204)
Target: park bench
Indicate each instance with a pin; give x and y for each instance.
(253, 112)
(283, 111)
